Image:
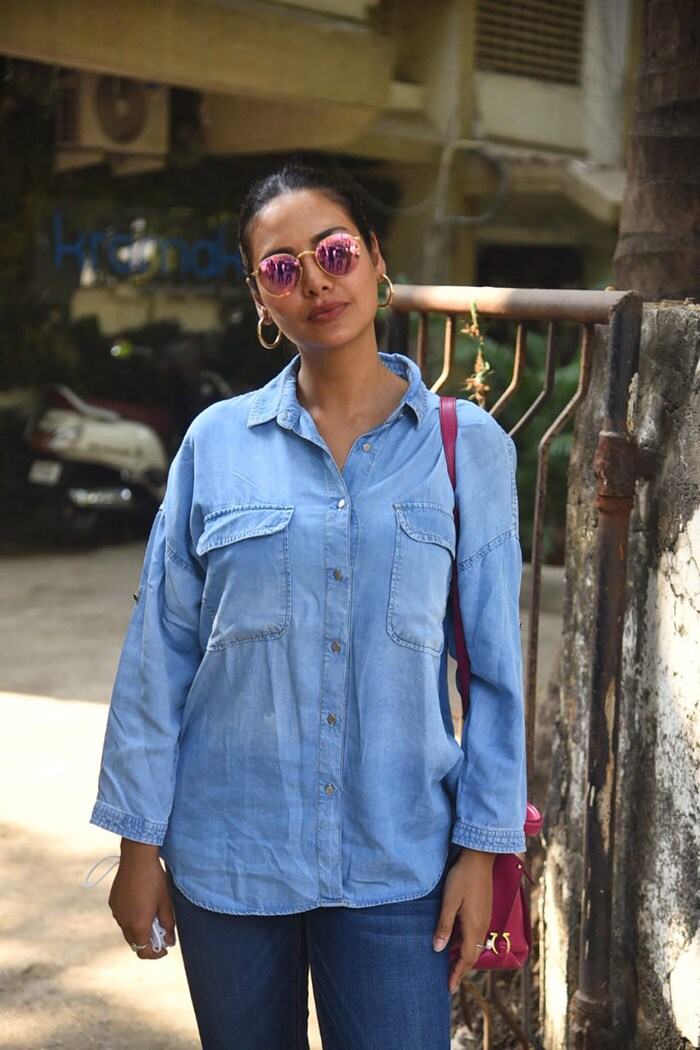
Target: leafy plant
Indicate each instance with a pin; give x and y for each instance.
(482, 370)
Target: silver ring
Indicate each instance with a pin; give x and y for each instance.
(137, 947)
(484, 947)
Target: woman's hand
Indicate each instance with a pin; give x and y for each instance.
(139, 893)
(467, 893)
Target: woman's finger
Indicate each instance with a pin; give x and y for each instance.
(445, 923)
(149, 953)
(166, 917)
(143, 948)
(468, 955)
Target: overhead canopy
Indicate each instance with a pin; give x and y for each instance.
(256, 52)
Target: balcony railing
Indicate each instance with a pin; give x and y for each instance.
(620, 313)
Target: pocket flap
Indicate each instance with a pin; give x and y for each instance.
(427, 523)
(232, 524)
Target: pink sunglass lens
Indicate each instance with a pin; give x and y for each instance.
(279, 273)
(338, 254)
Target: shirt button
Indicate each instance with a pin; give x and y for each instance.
(335, 647)
(341, 504)
(366, 447)
(329, 789)
(332, 720)
(338, 574)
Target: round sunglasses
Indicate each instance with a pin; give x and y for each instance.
(336, 255)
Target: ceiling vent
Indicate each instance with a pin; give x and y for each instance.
(102, 118)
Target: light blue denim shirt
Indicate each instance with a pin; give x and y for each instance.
(280, 722)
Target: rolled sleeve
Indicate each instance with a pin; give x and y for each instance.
(127, 825)
(158, 663)
(488, 840)
(492, 789)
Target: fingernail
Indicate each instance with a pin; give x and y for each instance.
(439, 943)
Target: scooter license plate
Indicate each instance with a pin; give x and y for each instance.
(45, 472)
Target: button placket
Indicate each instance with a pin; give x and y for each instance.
(360, 460)
(333, 694)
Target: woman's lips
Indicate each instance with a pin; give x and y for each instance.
(327, 312)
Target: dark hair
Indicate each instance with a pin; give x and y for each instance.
(291, 178)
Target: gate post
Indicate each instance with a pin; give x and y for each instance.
(591, 1007)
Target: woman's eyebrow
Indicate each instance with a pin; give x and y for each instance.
(285, 250)
(326, 233)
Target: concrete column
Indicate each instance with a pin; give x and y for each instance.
(604, 70)
(655, 930)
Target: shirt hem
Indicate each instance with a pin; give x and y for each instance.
(337, 903)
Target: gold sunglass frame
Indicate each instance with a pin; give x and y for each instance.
(307, 251)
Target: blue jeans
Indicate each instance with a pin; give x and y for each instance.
(378, 984)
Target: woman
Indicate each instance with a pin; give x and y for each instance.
(280, 730)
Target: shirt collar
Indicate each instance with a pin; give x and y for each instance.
(278, 398)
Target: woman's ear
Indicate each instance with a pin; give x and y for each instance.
(377, 257)
(262, 312)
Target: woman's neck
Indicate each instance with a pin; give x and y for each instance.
(347, 395)
(346, 384)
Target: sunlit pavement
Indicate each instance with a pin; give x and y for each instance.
(66, 977)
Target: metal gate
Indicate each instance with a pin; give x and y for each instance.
(616, 467)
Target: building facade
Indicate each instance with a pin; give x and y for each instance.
(494, 131)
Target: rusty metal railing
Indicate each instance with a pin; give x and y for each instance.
(615, 469)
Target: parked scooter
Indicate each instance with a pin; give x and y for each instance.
(95, 457)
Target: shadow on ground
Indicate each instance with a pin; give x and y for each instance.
(67, 979)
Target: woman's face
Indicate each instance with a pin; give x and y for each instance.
(321, 311)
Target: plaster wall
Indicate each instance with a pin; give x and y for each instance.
(656, 911)
(356, 9)
(121, 309)
(520, 109)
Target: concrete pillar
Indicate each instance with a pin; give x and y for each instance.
(605, 68)
(655, 954)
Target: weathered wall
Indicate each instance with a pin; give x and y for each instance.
(656, 925)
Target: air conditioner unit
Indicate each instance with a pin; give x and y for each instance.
(99, 115)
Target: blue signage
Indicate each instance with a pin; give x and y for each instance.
(144, 256)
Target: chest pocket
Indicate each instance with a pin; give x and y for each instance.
(420, 577)
(248, 584)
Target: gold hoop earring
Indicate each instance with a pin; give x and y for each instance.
(261, 339)
(389, 295)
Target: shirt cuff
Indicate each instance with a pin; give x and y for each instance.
(127, 825)
(489, 840)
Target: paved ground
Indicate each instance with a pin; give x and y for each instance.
(66, 978)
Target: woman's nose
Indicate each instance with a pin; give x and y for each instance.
(313, 278)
